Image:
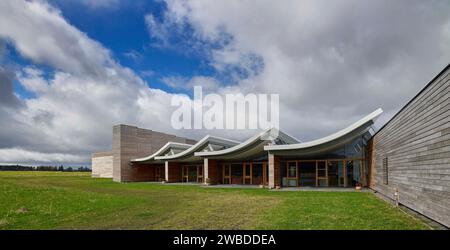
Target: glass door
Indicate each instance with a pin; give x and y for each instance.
(292, 174)
(335, 173)
(237, 173)
(247, 173)
(257, 174)
(226, 174)
(184, 173)
(321, 174)
(158, 173)
(192, 174)
(199, 173)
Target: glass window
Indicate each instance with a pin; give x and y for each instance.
(335, 173)
(226, 170)
(353, 172)
(247, 169)
(292, 170)
(321, 169)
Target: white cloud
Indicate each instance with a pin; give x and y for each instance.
(184, 83)
(331, 62)
(76, 105)
(97, 4)
(20, 155)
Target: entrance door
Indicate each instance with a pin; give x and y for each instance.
(247, 168)
(353, 172)
(292, 173)
(199, 173)
(237, 173)
(226, 174)
(258, 174)
(336, 177)
(158, 173)
(184, 173)
(321, 174)
(307, 173)
(192, 174)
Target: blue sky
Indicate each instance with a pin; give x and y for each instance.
(122, 29)
(71, 69)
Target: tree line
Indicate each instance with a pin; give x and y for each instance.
(43, 168)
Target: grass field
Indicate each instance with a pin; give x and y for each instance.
(54, 200)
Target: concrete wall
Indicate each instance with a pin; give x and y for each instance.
(132, 142)
(416, 143)
(102, 165)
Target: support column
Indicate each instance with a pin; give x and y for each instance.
(166, 171)
(211, 174)
(173, 172)
(274, 171)
(205, 171)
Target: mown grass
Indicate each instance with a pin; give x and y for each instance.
(53, 200)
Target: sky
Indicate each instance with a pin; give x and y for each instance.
(71, 69)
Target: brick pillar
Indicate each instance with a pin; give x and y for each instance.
(211, 171)
(173, 172)
(274, 171)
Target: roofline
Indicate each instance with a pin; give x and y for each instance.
(368, 118)
(159, 151)
(196, 146)
(244, 144)
(409, 102)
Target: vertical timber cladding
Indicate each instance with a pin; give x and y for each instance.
(415, 144)
(132, 142)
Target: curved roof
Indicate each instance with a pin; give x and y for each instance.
(162, 150)
(251, 146)
(356, 129)
(188, 154)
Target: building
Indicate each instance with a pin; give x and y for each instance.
(407, 160)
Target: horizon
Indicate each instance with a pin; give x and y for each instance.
(65, 82)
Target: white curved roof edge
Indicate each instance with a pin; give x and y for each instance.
(251, 140)
(162, 149)
(370, 117)
(198, 145)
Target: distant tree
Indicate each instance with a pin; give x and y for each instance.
(69, 169)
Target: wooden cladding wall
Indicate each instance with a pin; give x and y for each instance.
(415, 149)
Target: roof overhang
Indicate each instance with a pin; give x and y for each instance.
(330, 142)
(168, 148)
(208, 143)
(251, 148)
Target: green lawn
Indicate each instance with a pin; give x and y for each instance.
(53, 200)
